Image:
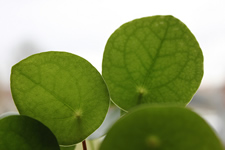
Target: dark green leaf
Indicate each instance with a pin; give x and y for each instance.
(152, 60)
(24, 133)
(63, 91)
(161, 128)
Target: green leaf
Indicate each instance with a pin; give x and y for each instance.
(24, 133)
(161, 128)
(152, 60)
(63, 91)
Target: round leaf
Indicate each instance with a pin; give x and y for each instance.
(63, 91)
(152, 60)
(24, 133)
(161, 128)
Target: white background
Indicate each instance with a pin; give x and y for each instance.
(83, 27)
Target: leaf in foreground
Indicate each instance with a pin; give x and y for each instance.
(152, 60)
(63, 91)
(24, 133)
(161, 128)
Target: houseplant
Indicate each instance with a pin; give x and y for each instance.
(151, 69)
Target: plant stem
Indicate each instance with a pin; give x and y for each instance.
(84, 145)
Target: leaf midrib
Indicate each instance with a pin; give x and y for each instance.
(51, 93)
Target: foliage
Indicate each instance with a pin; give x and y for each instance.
(152, 60)
(18, 132)
(155, 62)
(63, 91)
(161, 128)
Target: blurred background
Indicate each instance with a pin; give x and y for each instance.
(83, 27)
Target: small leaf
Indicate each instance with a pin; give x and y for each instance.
(161, 128)
(24, 133)
(63, 91)
(152, 60)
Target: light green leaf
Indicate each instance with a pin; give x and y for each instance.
(152, 60)
(24, 133)
(63, 91)
(161, 128)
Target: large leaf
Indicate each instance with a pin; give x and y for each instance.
(24, 133)
(63, 91)
(152, 60)
(161, 128)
